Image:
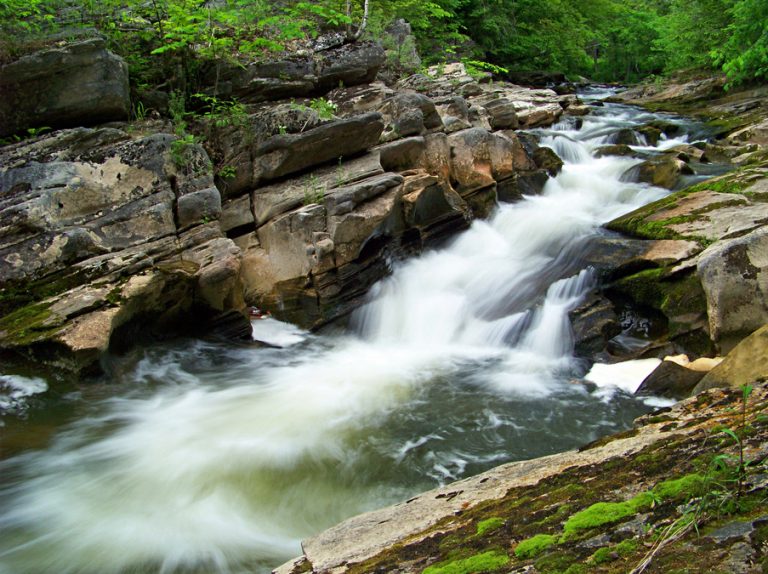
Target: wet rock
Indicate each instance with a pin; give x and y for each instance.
(614, 149)
(546, 159)
(625, 136)
(80, 84)
(594, 323)
(663, 171)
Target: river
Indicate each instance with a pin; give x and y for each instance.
(195, 456)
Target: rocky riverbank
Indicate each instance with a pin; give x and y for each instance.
(683, 491)
(668, 492)
(114, 233)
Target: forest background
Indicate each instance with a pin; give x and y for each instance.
(603, 40)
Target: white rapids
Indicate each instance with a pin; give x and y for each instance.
(221, 460)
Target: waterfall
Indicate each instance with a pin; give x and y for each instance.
(219, 459)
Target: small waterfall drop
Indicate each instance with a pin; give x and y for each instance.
(219, 460)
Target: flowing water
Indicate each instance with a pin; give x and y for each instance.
(201, 457)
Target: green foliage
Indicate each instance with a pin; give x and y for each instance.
(180, 149)
(325, 109)
(227, 172)
(222, 113)
(531, 547)
(489, 525)
(485, 562)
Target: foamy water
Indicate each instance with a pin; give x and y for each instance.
(216, 459)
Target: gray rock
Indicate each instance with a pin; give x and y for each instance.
(734, 275)
(198, 207)
(285, 154)
(80, 84)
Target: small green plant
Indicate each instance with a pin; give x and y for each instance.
(313, 191)
(479, 69)
(223, 113)
(227, 172)
(325, 109)
(180, 149)
(139, 111)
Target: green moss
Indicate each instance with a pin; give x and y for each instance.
(576, 569)
(626, 547)
(605, 513)
(534, 546)
(489, 525)
(554, 562)
(602, 555)
(28, 324)
(485, 562)
(683, 487)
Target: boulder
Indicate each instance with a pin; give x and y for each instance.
(746, 364)
(285, 154)
(539, 116)
(80, 84)
(663, 171)
(624, 136)
(734, 275)
(502, 114)
(300, 75)
(479, 158)
(670, 380)
(754, 134)
(614, 149)
(546, 159)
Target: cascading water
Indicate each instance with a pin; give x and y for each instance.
(222, 459)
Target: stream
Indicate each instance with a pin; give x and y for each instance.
(195, 456)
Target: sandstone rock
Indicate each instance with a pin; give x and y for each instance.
(745, 364)
(409, 114)
(78, 84)
(272, 200)
(282, 155)
(479, 158)
(734, 275)
(502, 114)
(670, 380)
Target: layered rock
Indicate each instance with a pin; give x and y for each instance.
(80, 84)
(103, 234)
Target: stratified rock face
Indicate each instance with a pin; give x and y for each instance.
(80, 84)
(286, 154)
(104, 238)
